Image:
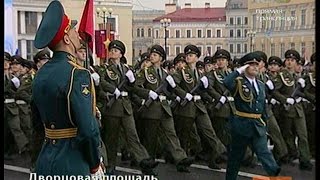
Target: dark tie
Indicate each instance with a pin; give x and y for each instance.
(254, 87)
(159, 73)
(196, 74)
(120, 69)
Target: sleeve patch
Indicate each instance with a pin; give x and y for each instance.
(85, 90)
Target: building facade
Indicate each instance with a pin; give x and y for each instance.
(142, 30)
(237, 25)
(203, 27)
(283, 25)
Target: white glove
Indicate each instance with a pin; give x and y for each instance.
(290, 101)
(273, 101)
(130, 76)
(96, 78)
(99, 175)
(270, 85)
(223, 99)
(242, 68)
(302, 82)
(299, 99)
(16, 82)
(117, 93)
(170, 80)
(188, 97)
(143, 101)
(178, 99)
(153, 95)
(204, 81)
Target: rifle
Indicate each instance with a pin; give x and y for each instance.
(184, 102)
(219, 104)
(294, 93)
(113, 99)
(149, 101)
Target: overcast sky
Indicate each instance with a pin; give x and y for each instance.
(159, 4)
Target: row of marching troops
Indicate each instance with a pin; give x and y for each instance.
(176, 109)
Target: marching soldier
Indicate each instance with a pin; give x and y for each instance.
(310, 104)
(287, 89)
(41, 58)
(200, 67)
(280, 150)
(180, 61)
(63, 102)
(119, 114)
(189, 86)
(247, 124)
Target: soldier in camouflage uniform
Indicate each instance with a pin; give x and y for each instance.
(294, 118)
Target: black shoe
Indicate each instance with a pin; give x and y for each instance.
(149, 172)
(182, 168)
(213, 165)
(125, 157)
(307, 166)
(186, 161)
(169, 159)
(10, 156)
(221, 159)
(277, 172)
(148, 163)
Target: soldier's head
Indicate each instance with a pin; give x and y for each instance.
(252, 60)
(25, 67)
(200, 66)
(291, 58)
(41, 58)
(262, 60)
(145, 60)
(116, 50)
(16, 61)
(274, 64)
(82, 51)
(209, 63)
(192, 53)
(57, 31)
(157, 54)
(6, 61)
(222, 57)
(180, 61)
(300, 65)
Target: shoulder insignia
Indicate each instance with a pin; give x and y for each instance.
(187, 77)
(286, 80)
(149, 76)
(85, 89)
(72, 58)
(218, 77)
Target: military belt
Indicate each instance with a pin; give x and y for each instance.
(196, 98)
(61, 133)
(248, 115)
(124, 93)
(6, 101)
(20, 102)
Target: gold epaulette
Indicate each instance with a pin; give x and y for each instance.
(284, 81)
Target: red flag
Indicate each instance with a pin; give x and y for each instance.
(86, 27)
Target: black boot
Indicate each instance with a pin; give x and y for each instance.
(148, 163)
(214, 165)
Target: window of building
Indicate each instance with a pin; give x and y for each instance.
(263, 47)
(19, 24)
(208, 33)
(177, 33)
(19, 45)
(245, 48)
(303, 17)
(282, 21)
(231, 48)
(273, 49)
(31, 22)
(218, 32)
(156, 33)
(293, 21)
(138, 32)
(200, 48)
(253, 47)
(209, 50)
(238, 33)
(245, 33)
(313, 16)
(245, 20)
(178, 49)
(254, 20)
(199, 33)
(142, 32)
(231, 32)
(168, 50)
(292, 46)
(218, 47)
(264, 22)
(238, 48)
(188, 33)
(303, 49)
(167, 33)
(273, 23)
(31, 50)
(282, 49)
(231, 21)
(238, 20)
(313, 47)
(112, 22)
(149, 32)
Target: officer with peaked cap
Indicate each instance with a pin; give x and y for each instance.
(292, 111)
(68, 121)
(41, 58)
(247, 124)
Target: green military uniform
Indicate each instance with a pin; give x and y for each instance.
(120, 115)
(63, 103)
(157, 117)
(247, 125)
(294, 118)
(194, 111)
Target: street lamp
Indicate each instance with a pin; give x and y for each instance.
(251, 34)
(165, 22)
